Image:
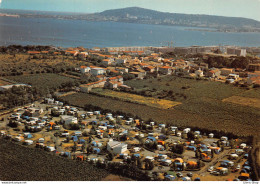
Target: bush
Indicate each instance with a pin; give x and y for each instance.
(74, 126)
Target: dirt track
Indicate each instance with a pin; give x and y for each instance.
(20, 163)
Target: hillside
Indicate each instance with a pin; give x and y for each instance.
(146, 16)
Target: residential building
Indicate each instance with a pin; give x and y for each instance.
(65, 119)
(199, 73)
(97, 71)
(84, 69)
(116, 147)
(166, 70)
(235, 51)
(226, 71)
(213, 73)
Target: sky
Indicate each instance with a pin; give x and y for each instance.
(232, 8)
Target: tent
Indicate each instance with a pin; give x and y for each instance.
(67, 154)
(136, 155)
(163, 137)
(186, 179)
(178, 160)
(96, 150)
(82, 141)
(151, 138)
(169, 177)
(193, 148)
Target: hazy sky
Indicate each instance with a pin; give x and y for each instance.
(235, 8)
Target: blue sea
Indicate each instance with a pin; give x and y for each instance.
(71, 33)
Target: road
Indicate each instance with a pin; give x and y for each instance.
(216, 159)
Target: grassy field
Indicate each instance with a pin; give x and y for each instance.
(191, 88)
(19, 163)
(252, 102)
(43, 81)
(149, 101)
(227, 117)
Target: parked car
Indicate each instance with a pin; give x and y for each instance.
(216, 173)
(189, 174)
(210, 169)
(179, 174)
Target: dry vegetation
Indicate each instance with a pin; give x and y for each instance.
(21, 63)
(252, 102)
(149, 101)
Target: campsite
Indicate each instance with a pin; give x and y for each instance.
(122, 145)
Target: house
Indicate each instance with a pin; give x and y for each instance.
(82, 55)
(96, 49)
(71, 52)
(235, 77)
(114, 82)
(139, 75)
(226, 71)
(166, 70)
(65, 119)
(214, 73)
(107, 61)
(149, 69)
(199, 73)
(122, 69)
(84, 69)
(101, 77)
(33, 52)
(236, 51)
(97, 71)
(116, 147)
(121, 61)
(49, 100)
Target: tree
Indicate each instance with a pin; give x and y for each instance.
(212, 153)
(139, 163)
(222, 147)
(74, 147)
(197, 154)
(163, 131)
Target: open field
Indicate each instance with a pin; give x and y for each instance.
(252, 102)
(204, 113)
(16, 64)
(191, 88)
(149, 101)
(21, 163)
(42, 81)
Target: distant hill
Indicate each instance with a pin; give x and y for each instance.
(146, 16)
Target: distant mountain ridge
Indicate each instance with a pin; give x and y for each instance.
(147, 16)
(142, 15)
